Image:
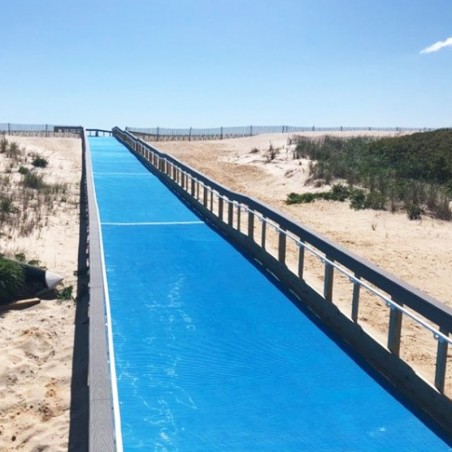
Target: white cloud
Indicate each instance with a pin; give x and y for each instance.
(438, 46)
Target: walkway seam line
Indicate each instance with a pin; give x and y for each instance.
(152, 223)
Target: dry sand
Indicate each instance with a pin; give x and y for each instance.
(418, 252)
(36, 344)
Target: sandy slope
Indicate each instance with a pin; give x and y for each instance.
(36, 344)
(418, 252)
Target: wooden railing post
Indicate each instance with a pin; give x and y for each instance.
(263, 233)
(441, 362)
(282, 246)
(204, 196)
(328, 282)
(251, 224)
(220, 208)
(300, 261)
(230, 212)
(395, 328)
(355, 301)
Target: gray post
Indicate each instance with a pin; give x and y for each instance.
(220, 208)
(300, 261)
(204, 198)
(441, 363)
(328, 282)
(282, 247)
(395, 327)
(250, 224)
(355, 301)
(230, 212)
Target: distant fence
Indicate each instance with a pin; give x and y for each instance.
(44, 130)
(220, 133)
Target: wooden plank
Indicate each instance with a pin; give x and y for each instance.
(19, 305)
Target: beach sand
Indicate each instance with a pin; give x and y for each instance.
(36, 344)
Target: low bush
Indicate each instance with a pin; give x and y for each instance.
(34, 181)
(12, 279)
(39, 162)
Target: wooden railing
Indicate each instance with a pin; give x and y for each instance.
(43, 130)
(101, 405)
(98, 132)
(248, 223)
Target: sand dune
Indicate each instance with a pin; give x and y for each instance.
(36, 344)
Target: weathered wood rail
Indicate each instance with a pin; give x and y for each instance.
(237, 217)
(102, 436)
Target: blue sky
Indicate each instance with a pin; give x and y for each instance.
(207, 63)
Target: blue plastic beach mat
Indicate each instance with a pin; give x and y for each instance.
(211, 355)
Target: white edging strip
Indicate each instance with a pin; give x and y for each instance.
(152, 223)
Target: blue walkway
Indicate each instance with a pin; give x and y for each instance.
(209, 354)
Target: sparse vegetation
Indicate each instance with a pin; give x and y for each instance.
(33, 181)
(25, 202)
(412, 172)
(39, 162)
(65, 294)
(12, 279)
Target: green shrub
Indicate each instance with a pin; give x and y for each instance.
(339, 192)
(39, 162)
(7, 207)
(358, 199)
(13, 150)
(413, 211)
(12, 279)
(375, 200)
(411, 170)
(65, 293)
(23, 170)
(295, 198)
(20, 257)
(3, 145)
(34, 181)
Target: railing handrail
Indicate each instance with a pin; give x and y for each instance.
(432, 309)
(223, 207)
